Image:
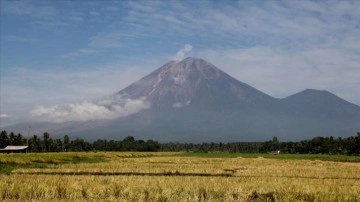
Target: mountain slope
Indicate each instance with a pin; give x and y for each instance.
(322, 103)
(196, 83)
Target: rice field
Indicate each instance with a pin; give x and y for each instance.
(125, 176)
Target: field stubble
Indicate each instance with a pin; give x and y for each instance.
(175, 177)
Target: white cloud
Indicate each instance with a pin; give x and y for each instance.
(23, 89)
(180, 55)
(28, 9)
(180, 104)
(86, 111)
(4, 116)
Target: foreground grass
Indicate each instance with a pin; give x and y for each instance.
(9, 162)
(135, 176)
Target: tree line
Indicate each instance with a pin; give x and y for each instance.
(47, 144)
(316, 145)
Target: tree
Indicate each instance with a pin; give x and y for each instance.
(100, 145)
(35, 144)
(275, 140)
(46, 137)
(4, 139)
(128, 143)
(11, 138)
(354, 144)
(56, 145)
(152, 145)
(18, 140)
(66, 143)
(79, 145)
(271, 145)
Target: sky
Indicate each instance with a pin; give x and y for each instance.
(58, 56)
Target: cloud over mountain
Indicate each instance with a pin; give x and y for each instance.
(86, 111)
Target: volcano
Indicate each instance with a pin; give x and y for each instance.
(194, 101)
(194, 83)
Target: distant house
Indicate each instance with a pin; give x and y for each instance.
(275, 152)
(14, 149)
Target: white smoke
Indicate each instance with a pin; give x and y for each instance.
(180, 55)
(86, 111)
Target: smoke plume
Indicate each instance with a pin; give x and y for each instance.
(180, 55)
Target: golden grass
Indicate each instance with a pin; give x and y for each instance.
(250, 179)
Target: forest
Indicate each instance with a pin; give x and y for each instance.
(316, 145)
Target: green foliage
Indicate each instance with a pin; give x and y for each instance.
(66, 143)
(4, 139)
(127, 144)
(46, 138)
(324, 145)
(317, 145)
(6, 168)
(9, 162)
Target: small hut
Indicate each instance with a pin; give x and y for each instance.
(14, 149)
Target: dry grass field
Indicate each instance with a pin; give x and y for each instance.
(174, 177)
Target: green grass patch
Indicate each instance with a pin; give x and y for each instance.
(9, 162)
(7, 168)
(322, 157)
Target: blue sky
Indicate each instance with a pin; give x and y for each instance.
(62, 52)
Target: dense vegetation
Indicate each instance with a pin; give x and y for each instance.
(317, 145)
(47, 144)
